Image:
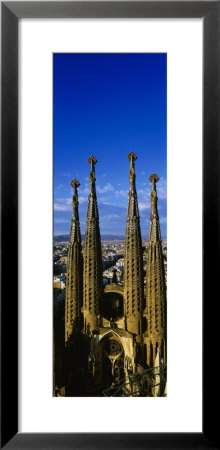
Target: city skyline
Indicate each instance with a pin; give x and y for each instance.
(108, 105)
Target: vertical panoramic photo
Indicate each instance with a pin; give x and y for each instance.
(110, 225)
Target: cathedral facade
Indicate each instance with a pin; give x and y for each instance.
(123, 325)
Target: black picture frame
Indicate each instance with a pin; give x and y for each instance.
(11, 12)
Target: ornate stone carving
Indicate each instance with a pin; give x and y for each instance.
(73, 299)
(155, 285)
(114, 306)
(92, 272)
(133, 266)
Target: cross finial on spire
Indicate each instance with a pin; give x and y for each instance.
(154, 178)
(92, 161)
(75, 184)
(132, 157)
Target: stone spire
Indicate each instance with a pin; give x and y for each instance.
(155, 285)
(74, 292)
(133, 265)
(92, 273)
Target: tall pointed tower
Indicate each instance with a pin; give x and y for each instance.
(92, 273)
(74, 291)
(133, 264)
(155, 286)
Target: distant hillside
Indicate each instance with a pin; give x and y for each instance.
(110, 237)
(104, 237)
(61, 238)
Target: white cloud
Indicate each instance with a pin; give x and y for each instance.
(61, 221)
(82, 199)
(105, 200)
(85, 190)
(143, 192)
(111, 216)
(67, 200)
(121, 193)
(63, 204)
(143, 205)
(162, 191)
(60, 207)
(143, 199)
(107, 188)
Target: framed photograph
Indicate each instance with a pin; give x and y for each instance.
(110, 119)
(109, 310)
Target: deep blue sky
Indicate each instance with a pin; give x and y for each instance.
(108, 105)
